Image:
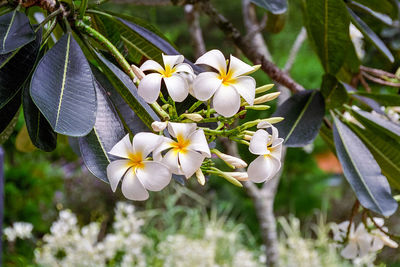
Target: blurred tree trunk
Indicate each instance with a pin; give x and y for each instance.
(1, 200)
(192, 18)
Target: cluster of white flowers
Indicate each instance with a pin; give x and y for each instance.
(362, 241)
(20, 230)
(67, 245)
(149, 160)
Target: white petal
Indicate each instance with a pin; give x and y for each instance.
(151, 65)
(263, 168)
(377, 244)
(149, 87)
(276, 150)
(132, 188)
(213, 58)
(146, 142)
(171, 61)
(198, 142)
(364, 245)
(159, 126)
(115, 171)
(123, 148)
(238, 67)
(190, 162)
(171, 160)
(183, 129)
(184, 67)
(246, 87)
(177, 87)
(350, 251)
(205, 85)
(226, 101)
(258, 143)
(263, 125)
(165, 144)
(154, 175)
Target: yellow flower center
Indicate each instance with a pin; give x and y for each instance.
(180, 146)
(168, 71)
(226, 77)
(136, 160)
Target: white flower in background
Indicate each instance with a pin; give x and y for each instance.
(140, 174)
(358, 41)
(379, 238)
(21, 230)
(269, 148)
(186, 154)
(359, 243)
(227, 84)
(10, 234)
(177, 86)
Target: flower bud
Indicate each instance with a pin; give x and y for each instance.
(139, 74)
(159, 126)
(266, 98)
(194, 117)
(264, 88)
(231, 161)
(200, 177)
(240, 176)
(247, 137)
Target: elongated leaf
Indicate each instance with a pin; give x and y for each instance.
(334, 93)
(369, 102)
(362, 171)
(9, 117)
(127, 90)
(62, 88)
(382, 17)
(371, 35)
(385, 150)
(15, 31)
(15, 68)
(107, 131)
(273, 6)
(375, 122)
(303, 113)
(328, 26)
(383, 99)
(387, 7)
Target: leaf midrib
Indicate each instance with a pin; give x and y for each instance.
(9, 28)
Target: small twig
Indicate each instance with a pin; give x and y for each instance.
(364, 83)
(379, 81)
(354, 211)
(257, 28)
(378, 72)
(301, 37)
(381, 229)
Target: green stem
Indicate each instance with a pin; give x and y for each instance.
(48, 18)
(82, 8)
(49, 31)
(194, 106)
(119, 58)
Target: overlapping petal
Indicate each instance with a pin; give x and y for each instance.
(172, 60)
(263, 168)
(198, 142)
(246, 87)
(177, 87)
(213, 58)
(154, 175)
(238, 67)
(146, 143)
(205, 85)
(149, 87)
(182, 129)
(132, 188)
(190, 162)
(123, 148)
(151, 65)
(115, 171)
(226, 101)
(258, 143)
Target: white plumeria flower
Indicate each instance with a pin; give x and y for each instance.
(269, 147)
(177, 86)
(379, 238)
(187, 153)
(140, 174)
(359, 243)
(227, 84)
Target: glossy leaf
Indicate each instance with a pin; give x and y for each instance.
(107, 131)
(387, 7)
(362, 171)
(15, 68)
(9, 117)
(303, 113)
(15, 31)
(385, 150)
(127, 90)
(62, 88)
(383, 99)
(371, 35)
(273, 6)
(382, 17)
(334, 93)
(328, 26)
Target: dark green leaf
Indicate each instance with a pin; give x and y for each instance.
(383, 99)
(328, 26)
(369, 102)
(15, 31)
(377, 122)
(382, 17)
(127, 90)
(63, 90)
(388, 7)
(371, 35)
(334, 93)
(107, 131)
(303, 113)
(9, 117)
(362, 171)
(385, 150)
(273, 6)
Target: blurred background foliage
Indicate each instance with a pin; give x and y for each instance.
(39, 184)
